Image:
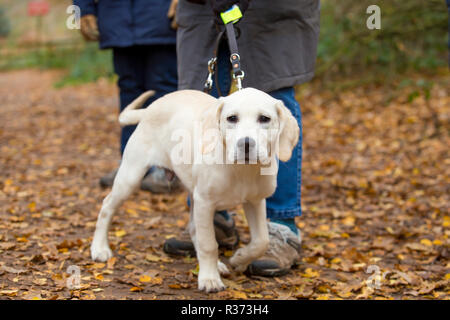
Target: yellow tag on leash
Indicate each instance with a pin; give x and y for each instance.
(231, 15)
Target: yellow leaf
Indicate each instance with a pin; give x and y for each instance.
(22, 239)
(426, 242)
(447, 276)
(310, 273)
(144, 208)
(196, 270)
(111, 262)
(145, 278)
(323, 289)
(136, 289)
(336, 260)
(345, 235)
(152, 258)
(344, 294)
(328, 123)
(181, 223)
(228, 253)
(98, 265)
(132, 212)
(437, 242)
(255, 295)
(238, 294)
(99, 277)
(40, 281)
(349, 221)
(32, 206)
(11, 293)
(174, 286)
(120, 233)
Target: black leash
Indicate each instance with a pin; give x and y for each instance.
(235, 59)
(212, 66)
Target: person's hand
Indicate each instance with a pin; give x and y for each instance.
(172, 14)
(89, 28)
(219, 6)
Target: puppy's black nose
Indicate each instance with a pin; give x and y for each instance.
(246, 143)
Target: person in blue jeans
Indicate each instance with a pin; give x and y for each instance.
(144, 57)
(277, 43)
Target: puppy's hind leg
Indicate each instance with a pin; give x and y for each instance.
(132, 169)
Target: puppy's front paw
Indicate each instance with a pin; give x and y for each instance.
(239, 261)
(210, 285)
(100, 253)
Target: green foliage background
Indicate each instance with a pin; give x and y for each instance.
(413, 38)
(4, 23)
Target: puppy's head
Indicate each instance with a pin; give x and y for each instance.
(253, 127)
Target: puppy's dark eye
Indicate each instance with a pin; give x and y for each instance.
(263, 119)
(232, 119)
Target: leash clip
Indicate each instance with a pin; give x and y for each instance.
(238, 73)
(211, 69)
(238, 78)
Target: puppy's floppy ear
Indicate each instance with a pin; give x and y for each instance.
(289, 132)
(210, 127)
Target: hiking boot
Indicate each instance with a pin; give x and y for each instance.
(282, 254)
(108, 179)
(226, 235)
(161, 180)
(158, 180)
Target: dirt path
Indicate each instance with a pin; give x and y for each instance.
(375, 195)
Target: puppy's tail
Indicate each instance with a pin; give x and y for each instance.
(131, 116)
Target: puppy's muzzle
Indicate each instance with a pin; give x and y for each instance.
(246, 149)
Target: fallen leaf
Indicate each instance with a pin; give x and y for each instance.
(120, 233)
(145, 278)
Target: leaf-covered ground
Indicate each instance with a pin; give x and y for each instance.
(375, 198)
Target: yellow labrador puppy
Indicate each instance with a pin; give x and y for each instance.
(225, 153)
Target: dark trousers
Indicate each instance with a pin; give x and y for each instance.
(143, 68)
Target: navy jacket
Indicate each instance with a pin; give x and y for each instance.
(124, 23)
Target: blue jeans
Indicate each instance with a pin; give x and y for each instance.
(143, 68)
(285, 202)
